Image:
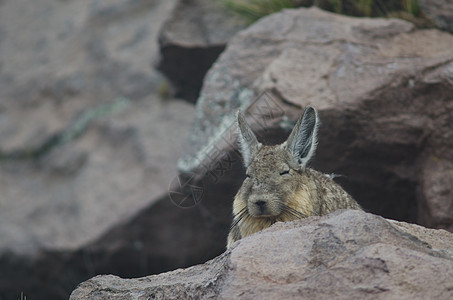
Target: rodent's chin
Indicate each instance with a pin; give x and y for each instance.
(262, 215)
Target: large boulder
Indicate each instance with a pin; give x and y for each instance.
(383, 90)
(190, 41)
(344, 255)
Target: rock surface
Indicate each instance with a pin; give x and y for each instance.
(123, 161)
(345, 255)
(63, 81)
(190, 41)
(383, 90)
(439, 12)
(85, 141)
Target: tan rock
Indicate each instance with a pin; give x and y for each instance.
(345, 255)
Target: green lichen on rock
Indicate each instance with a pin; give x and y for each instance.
(253, 10)
(73, 131)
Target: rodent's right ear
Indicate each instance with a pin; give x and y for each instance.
(303, 140)
(248, 142)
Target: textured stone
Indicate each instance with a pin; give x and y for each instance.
(345, 255)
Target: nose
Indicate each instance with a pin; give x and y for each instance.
(260, 207)
(260, 204)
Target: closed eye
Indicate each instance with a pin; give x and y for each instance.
(284, 172)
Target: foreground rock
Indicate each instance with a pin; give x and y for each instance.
(345, 255)
(383, 90)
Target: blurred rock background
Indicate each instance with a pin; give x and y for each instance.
(91, 131)
(88, 137)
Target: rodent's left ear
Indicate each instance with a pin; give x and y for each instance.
(303, 140)
(248, 142)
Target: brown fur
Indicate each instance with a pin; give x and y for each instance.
(286, 188)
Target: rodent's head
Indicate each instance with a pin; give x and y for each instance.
(273, 172)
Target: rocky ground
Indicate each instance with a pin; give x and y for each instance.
(90, 136)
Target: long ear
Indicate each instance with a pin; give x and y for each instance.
(303, 139)
(247, 140)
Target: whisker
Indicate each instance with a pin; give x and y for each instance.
(242, 213)
(299, 213)
(292, 214)
(288, 212)
(305, 216)
(237, 220)
(291, 211)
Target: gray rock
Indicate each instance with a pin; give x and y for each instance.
(439, 12)
(191, 40)
(75, 162)
(383, 90)
(345, 255)
(123, 163)
(83, 58)
(82, 158)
